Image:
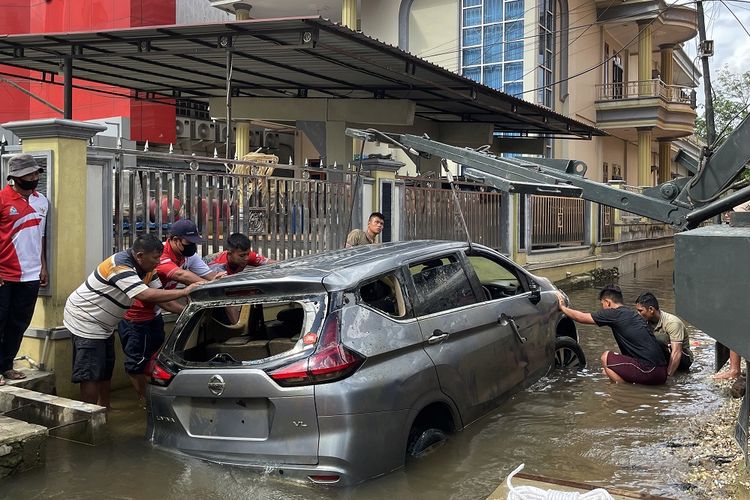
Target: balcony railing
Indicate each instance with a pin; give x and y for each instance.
(642, 89)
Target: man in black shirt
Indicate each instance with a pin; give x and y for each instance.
(642, 360)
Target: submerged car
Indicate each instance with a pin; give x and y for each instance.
(338, 367)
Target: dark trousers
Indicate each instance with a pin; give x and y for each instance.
(17, 302)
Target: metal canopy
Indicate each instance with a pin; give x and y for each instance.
(305, 57)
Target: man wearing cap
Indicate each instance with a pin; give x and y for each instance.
(23, 265)
(142, 329)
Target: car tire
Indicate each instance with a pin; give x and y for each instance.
(568, 354)
(423, 440)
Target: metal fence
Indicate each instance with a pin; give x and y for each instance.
(557, 221)
(430, 213)
(284, 217)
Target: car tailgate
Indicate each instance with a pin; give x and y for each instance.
(240, 414)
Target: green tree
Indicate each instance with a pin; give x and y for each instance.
(731, 98)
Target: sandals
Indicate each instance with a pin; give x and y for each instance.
(14, 375)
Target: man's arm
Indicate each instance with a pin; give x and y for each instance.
(173, 306)
(186, 277)
(674, 358)
(575, 315)
(44, 275)
(159, 296)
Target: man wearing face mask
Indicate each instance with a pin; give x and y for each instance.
(23, 265)
(142, 329)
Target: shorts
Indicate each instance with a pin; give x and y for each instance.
(140, 340)
(93, 359)
(636, 371)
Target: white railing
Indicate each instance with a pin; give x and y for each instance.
(641, 89)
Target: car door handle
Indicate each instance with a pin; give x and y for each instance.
(504, 319)
(437, 337)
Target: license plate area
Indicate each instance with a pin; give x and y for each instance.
(237, 418)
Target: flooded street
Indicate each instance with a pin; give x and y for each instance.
(575, 426)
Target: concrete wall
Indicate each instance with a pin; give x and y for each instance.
(198, 11)
(434, 31)
(380, 19)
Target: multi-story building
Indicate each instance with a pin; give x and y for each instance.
(618, 66)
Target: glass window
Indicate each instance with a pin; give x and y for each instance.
(441, 284)
(513, 71)
(493, 11)
(493, 76)
(385, 295)
(473, 74)
(493, 43)
(472, 17)
(514, 89)
(472, 36)
(472, 3)
(514, 10)
(513, 31)
(498, 279)
(472, 56)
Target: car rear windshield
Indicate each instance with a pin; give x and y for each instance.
(248, 332)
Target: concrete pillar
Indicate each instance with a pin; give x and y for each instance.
(667, 63)
(385, 197)
(338, 145)
(644, 156)
(67, 181)
(665, 161)
(242, 11)
(241, 139)
(645, 47)
(349, 13)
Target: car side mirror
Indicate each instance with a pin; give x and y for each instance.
(536, 292)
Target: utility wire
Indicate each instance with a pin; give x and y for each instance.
(735, 16)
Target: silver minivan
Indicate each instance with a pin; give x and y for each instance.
(339, 367)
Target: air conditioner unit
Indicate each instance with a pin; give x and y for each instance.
(204, 131)
(221, 132)
(183, 128)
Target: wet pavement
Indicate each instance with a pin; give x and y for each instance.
(572, 426)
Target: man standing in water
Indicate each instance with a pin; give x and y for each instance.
(642, 360)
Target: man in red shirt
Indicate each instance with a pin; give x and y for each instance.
(237, 256)
(142, 329)
(23, 266)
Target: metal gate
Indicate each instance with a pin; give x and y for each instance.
(284, 217)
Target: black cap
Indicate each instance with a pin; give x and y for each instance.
(185, 228)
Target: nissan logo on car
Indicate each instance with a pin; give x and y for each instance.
(216, 385)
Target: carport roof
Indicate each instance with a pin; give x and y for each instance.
(286, 57)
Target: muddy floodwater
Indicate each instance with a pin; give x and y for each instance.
(576, 426)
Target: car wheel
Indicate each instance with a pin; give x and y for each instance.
(568, 354)
(422, 441)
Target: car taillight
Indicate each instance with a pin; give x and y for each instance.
(331, 361)
(160, 375)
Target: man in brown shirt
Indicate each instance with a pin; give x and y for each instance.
(668, 330)
(375, 224)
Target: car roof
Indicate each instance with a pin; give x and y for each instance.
(339, 269)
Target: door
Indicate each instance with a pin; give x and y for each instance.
(475, 356)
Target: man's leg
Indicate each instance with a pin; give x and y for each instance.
(6, 341)
(103, 393)
(614, 377)
(734, 368)
(90, 391)
(22, 307)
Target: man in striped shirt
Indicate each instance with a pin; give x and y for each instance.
(23, 267)
(94, 309)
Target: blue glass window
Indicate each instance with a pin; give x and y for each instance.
(493, 11)
(493, 76)
(472, 17)
(472, 56)
(472, 3)
(473, 73)
(513, 71)
(472, 36)
(514, 10)
(513, 31)
(493, 43)
(513, 50)
(514, 89)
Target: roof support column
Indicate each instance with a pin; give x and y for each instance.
(349, 14)
(644, 156)
(241, 139)
(68, 88)
(665, 161)
(645, 47)
(339, 147)
(667, 63)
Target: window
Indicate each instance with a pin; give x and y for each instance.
(441, 284)
(499, 280)
(384, 295)
(492, 43)
(546, 68)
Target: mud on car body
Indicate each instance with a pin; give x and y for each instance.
(338, 367)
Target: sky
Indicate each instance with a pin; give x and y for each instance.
(731, 43)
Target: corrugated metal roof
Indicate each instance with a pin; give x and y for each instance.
(286, 57)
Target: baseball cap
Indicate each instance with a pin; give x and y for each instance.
(23, 164)
(185, 228)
